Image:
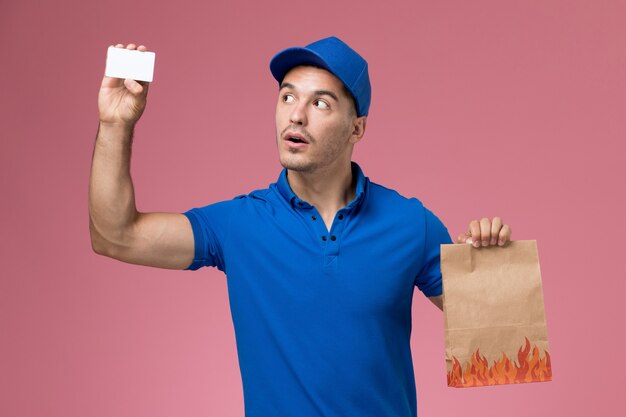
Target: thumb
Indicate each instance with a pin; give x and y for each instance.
(133, 86)
(464, 238)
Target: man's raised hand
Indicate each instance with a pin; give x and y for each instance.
(122, 102)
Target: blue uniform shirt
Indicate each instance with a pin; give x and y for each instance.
(322, 318)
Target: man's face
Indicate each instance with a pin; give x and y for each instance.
(314, 107)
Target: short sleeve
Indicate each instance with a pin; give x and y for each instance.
(429, 278)
(210, 225)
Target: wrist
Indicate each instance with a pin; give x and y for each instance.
(123, 126)
(115, 131)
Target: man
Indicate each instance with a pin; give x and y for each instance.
(321, 265)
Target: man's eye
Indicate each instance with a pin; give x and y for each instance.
(287, 98)
(322, 104)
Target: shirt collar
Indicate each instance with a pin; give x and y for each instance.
(287, 193)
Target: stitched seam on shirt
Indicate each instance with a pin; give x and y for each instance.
(423, 260)
(229, 231)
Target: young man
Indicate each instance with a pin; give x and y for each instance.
(321, 265)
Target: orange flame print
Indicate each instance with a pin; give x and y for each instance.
(478, 373)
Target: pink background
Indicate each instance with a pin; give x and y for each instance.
(479, 108)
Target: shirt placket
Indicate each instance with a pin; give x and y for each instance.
(330, 240)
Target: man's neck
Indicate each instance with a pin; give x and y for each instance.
(328, 190)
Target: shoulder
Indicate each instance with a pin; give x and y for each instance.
(404, 207)
(263, 194)
(241, 200)
(388, 197)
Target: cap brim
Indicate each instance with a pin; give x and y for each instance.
(288, 58)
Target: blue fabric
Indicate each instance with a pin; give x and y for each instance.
(336, 56)
(323, 326)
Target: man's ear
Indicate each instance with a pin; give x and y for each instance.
(358, 129)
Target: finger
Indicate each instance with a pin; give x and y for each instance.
(133, 86)
(119, 45)
(485, 231)
(145, 85)
(111, 82)
(465, 237)
(142, 48)
(131, 46)
(474, 232)
(496, 225)
(505, 235)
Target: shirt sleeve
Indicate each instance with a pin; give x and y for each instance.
(210, 225)
(429, 279)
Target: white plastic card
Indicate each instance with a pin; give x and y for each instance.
(130, 63)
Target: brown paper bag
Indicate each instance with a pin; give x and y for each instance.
(495, 328)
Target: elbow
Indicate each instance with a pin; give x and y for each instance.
(98, 243)
(115, 246)
(437, 300)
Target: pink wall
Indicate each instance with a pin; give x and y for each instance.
(479, 108)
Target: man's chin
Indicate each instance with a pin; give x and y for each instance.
(296, 165)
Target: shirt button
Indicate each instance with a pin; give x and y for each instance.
(324, 238)
(340, 216)
(314, 218)
(333, 238)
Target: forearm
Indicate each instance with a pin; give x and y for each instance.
(112, 209)
(438, 301)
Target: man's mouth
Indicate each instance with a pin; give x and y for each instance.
(295, 140)
(295, 137)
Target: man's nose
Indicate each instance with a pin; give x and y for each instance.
(298, 114)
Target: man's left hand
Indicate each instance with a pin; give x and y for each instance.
(486, 232)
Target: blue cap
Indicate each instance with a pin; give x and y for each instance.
(335, 56)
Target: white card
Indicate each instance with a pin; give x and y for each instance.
(130, 63)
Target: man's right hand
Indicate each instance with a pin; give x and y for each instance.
(122, 102)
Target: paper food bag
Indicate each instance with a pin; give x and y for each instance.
(495, 328)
